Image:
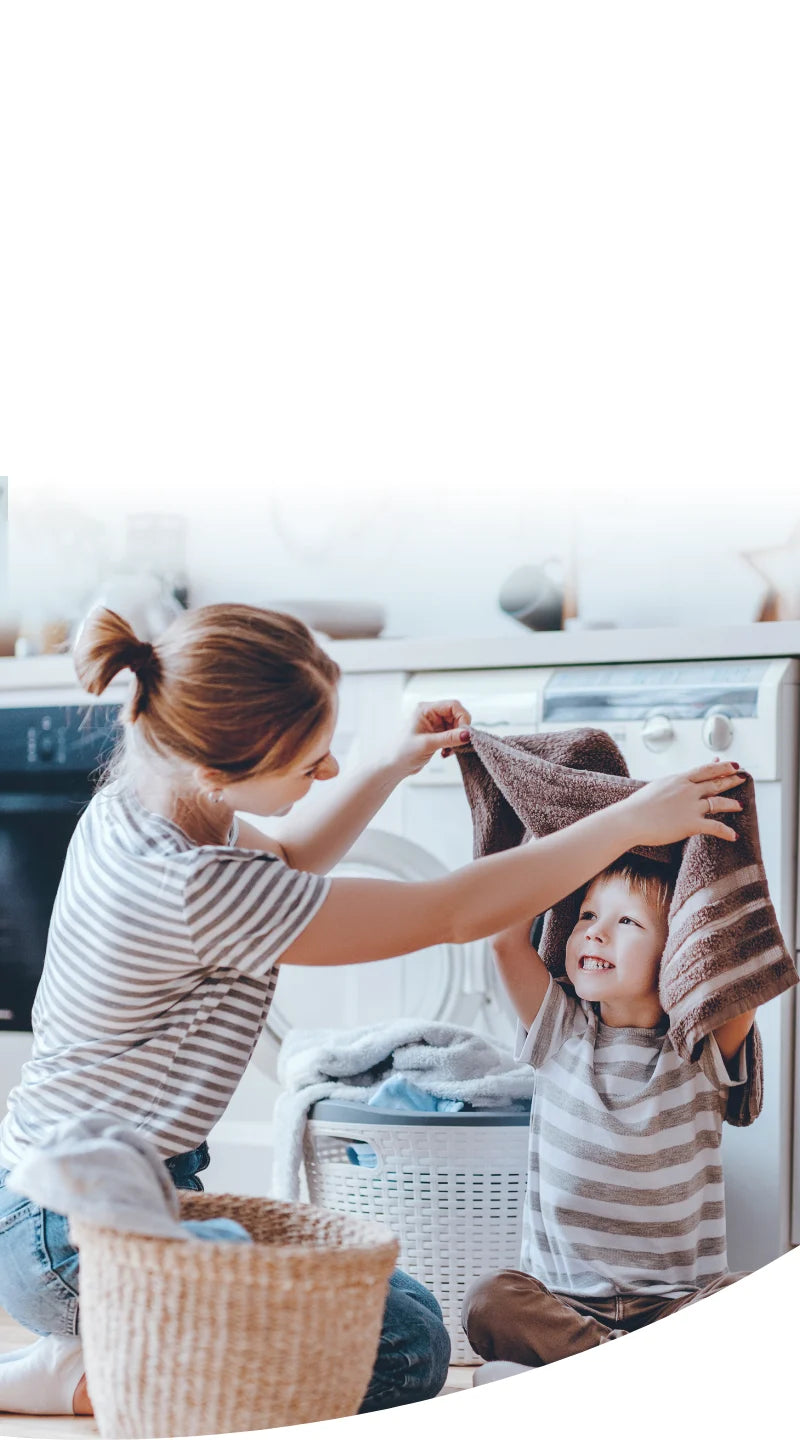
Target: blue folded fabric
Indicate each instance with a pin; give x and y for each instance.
(396, 1093)
(360, 1153)
(219, 1228)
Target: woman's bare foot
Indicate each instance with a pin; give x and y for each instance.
(81, 1404)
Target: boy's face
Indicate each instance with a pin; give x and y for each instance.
(614, 952)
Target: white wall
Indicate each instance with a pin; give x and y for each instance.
(374, 294)
(437, 566)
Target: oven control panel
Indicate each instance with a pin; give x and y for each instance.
(73, 740)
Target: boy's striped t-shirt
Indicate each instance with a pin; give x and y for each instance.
(158, 976)
(625, 1186)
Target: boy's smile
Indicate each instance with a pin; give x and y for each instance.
(614, 953)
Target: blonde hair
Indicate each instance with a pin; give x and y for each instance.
(653, 882)
(228, 687)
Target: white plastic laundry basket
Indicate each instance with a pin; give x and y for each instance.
(450, 1187)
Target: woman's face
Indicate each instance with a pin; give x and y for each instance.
(275, 791)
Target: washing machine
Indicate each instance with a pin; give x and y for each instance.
(664, 718)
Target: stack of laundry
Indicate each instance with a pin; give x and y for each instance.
(402, 1065)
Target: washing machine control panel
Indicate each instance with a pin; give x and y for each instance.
(667, 717)
(663, 716)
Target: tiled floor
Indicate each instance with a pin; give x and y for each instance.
(12, 1336)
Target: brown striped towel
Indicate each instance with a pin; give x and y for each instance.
(724, 954)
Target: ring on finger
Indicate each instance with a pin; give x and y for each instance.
(710, 805)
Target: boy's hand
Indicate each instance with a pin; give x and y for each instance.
(683, 805)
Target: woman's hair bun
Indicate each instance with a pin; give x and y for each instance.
(105, 645)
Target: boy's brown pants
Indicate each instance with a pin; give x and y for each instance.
(512, 1316)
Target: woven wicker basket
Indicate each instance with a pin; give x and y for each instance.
(198, 1337)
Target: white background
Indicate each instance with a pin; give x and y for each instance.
(378, 295)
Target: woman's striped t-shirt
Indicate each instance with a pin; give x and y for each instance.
(625, 1186)
(158, 976)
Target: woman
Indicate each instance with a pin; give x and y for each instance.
(172, 920)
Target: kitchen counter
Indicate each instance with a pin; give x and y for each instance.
(458, 652)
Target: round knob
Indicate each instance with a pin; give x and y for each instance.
(717, 730)
(657, 732)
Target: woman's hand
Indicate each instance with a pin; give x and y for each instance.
(441, 725)
(669, 810)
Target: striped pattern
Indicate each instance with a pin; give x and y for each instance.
(731, 915)
(625, 1188)
(159, 974)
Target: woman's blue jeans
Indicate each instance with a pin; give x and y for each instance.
(39, 1288)
(414, 1349)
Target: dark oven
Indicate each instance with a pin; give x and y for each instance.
(50, 757)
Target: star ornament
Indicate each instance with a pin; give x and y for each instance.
(779, 566)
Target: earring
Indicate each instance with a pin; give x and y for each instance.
(215, 796)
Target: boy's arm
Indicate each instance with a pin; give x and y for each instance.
(731, 1036)
(522, 970)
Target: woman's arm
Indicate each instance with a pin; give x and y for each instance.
(250, 838)
(316, 841)
(364, 920)
(523, 972)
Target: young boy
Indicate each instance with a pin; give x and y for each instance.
(625, 1212)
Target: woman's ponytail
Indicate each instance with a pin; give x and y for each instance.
(228, 687)
(104, 646)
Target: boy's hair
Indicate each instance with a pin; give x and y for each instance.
(654, 882)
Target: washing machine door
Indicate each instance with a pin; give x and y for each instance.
(455, 983)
